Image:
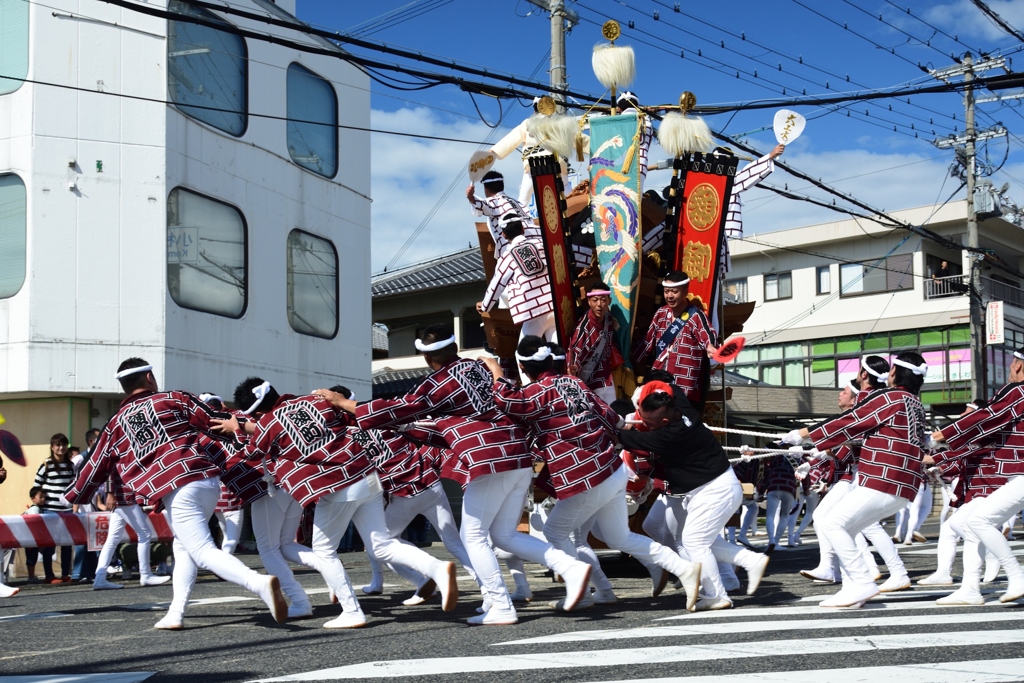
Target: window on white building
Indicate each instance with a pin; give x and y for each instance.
(738, 288)
(13, 45)
(778, 286)
(892, 274)
(206, 254)
(312, 121)
(207, 70)
(12, 234)
(824, 279)
(312, 285)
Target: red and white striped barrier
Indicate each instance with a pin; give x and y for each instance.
(68, 528)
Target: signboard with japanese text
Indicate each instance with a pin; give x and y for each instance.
(995, 333)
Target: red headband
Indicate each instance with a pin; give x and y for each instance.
(654, 388)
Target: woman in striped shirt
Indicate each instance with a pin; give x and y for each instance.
(54, 476)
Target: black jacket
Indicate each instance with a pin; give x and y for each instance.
(687, 450)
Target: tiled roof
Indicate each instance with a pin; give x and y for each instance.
(388, 383)
(460, 268)
(379, 337)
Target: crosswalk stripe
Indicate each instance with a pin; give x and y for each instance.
(981, 671)
(652, 655)
(37, 615)
(146, 606)
(125, 677)
(749, 612)
(911, 594)
(704, 629)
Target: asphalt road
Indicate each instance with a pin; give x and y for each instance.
(229, 635)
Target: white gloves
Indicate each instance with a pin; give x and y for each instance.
(803, 470)
(793, 438)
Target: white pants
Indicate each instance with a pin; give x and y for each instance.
(362, 503)
(606, 505)
(657, 524)
(275, 519)
(189, 509)
(230, 524)
(858, 509)
(983, 526)
(544, 327)
(748, 518)
(951, 531)
(829, 560)
(606, 393)
(432, 503)
(946, 501)
(583, 551)
(133, 516)
(780, 503)
(493, 505)
(910, 519)
(810, 505)
(702, 514)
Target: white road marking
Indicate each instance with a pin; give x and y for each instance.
(982, 671)
(704, 629)
(37, 615)
(127, 677)
(745, 613)
(652, 655)
(146, 606)
(901, 595)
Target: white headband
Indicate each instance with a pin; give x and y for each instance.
(206, 398)
(499, 179)
(510, 217)
(562, 357)
(627, 96)
(260, 393)
(436, 346)
(972, 406)
(864, 365)
(133, 371)
(351, 395)
(1018, 355)
(543, 353)
(854, 388)
(536, 100)
(667, 283)
(919, 370)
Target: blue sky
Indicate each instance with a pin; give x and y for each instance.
(854, 148)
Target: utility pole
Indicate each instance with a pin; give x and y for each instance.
(966, 69)
(562, 21)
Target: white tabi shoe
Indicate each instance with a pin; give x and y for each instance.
(101, 584)
(8, 591)
(586, 602)
(605, 597)
(691, 583)
(659, 579)
(894, 584)
(818, 575)
(348, 620)
(756, 573)
(300, 610)
(494, 617)
(963, 597)
(270, 593)
(150, 580)
(1014, 590)
(577, 584)
(709, 604)
(485, 607)
(373, 588)
(991, 571)
(172, 621)
(521, 594)
(851, 596)
(418, 599)
(936, 579)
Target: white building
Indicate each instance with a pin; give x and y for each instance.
(826, 294)
(175, 191)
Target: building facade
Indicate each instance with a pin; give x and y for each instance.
(827, 294)
(173, 190)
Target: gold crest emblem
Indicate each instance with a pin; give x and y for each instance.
(703, 207)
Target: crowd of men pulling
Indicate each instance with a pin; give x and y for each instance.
(378, 464)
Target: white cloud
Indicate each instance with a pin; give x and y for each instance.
(964, 19)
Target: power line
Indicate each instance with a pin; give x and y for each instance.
(954, 38)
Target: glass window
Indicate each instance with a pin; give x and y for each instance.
(12, 231)
(824, 280)
(890, 275)
(931, 338)
(771, 374)
(206, 254)
(312, 121)
(824, 347)
(312, 285)
(738, 288)
(747, 355)
(13, 45)
(771, 352)
(207, 70)
(748, 371)
(879, 343)
(960, 335)
(901, 340)
(796, 375)
(848, 345)
(796, 350)
(778, 286)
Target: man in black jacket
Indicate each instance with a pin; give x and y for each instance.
(703, 491)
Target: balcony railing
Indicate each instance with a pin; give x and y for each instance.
(942, 287)
(1000, 291)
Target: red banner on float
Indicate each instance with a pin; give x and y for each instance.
(698, 221)
(548, 190)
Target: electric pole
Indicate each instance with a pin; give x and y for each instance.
(562, 21)
(976, 301)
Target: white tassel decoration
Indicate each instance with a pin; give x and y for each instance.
(555, 133)
(614, 65)
(681, 135)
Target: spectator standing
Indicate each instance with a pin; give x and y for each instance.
(54, 476)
